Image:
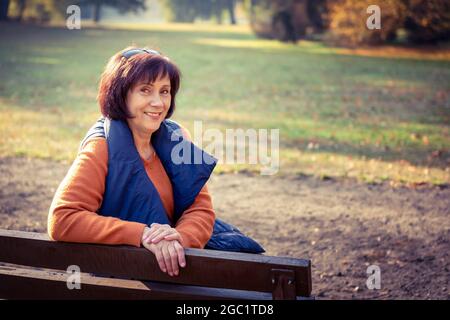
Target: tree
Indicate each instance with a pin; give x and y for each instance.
(189, 10)
(180, 10)
(4, 7)
(348, 21)
(231, 6)
(217, 6)
(428, 21)
(282, 26)
(39, 11)
(122, 5)
(22, 5)
(318, 14)
(285, 20)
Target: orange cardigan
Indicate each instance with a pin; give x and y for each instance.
(73, 218)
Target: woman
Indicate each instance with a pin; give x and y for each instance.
(127, 186)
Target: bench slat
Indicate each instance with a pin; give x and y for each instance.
(210, 268)
(24, 283)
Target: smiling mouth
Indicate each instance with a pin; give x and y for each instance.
(154, 115)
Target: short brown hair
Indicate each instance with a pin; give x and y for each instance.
(121, 74)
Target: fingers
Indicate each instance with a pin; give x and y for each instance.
(156, 234)
(177, 257)
(169, 256)
(180, 252)
(160, 259)
(173, 236)
(164, 234)
(155, 229)
(145, 234)
(173, 258)
(167, 259)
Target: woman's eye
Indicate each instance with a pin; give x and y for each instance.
(145, 90)
(165, 91)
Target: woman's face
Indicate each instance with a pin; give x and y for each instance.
(148, 103)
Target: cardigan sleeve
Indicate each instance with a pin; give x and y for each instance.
(196, 223)
(72, 216)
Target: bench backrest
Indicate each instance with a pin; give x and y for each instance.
(124, 272)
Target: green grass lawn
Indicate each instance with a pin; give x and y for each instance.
(373, 117)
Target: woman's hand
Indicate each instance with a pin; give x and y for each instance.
(168, 253)
(159, 232)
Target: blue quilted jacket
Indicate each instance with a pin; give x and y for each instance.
(130, 194)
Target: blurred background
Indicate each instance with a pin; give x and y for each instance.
(364, 119)
(370, 104)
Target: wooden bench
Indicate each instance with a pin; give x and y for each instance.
(34, 267)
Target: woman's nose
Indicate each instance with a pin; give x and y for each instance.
(156, 101)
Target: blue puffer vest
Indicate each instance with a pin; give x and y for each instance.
(130, 194)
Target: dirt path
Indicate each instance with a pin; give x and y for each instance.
(342, 226)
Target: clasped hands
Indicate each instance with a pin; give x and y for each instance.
(165, 243)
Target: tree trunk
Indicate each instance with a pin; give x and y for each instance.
(231, 6)
(97, 9)
(218, 13)
(22, 6)
(252, 7)
(4, 5)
